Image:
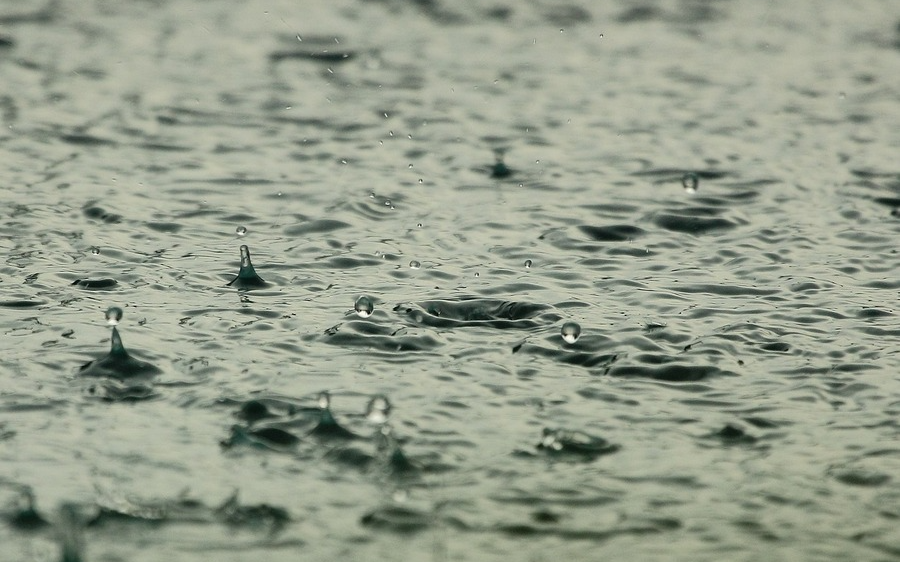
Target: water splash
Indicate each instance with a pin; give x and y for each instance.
(328, 427)
(118, 363)
(500, 170)
(247, 277)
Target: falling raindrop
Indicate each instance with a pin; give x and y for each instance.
(113, 315)
(690, 182)
(95, 250)
(241, 231)
(419, 225)
(364, 307)
(570, 332)
(414, 265)
(528, 264)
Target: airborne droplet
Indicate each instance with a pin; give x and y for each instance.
(113, 315)
(690, 182)
(241, 231)
(414, 265)
(528, 264)
(570, 332)
(364, 307)
(95, 250)
(378, 409)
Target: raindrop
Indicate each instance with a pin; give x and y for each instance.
(95, 250)
(324, 400)
(414, 265)
(113, 315)
(528, 264)
(387, 203)
(477, 274)
(241, 231)
(421, 181)
(570, 332)
(378, 410)
(419, 225)
(364, 307)
(690, 181)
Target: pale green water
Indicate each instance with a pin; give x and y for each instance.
(734, 392)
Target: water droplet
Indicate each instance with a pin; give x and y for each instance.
(528, 264)
(570, 332)
(421, 181)
(95, 250)
(414, 265)
(387, 203)
(419, 225)
(299, 38)
(113, 315)
(477, 274)
(410, 166)
(378, 410)
(364, 307)
(324, 400)
(241, 231)
(690, 182)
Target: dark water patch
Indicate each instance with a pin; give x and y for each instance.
(867, 313)
(21, 303)
(272, 438)
(859, 477)
(558, 443)
(591, 535)
(398, 519)
(167, 227)
(722, 289)
(118, 391)
(581, 356)
(778, 347)
(379, 337)
(320, 226)
(733, 434)
(94, 212)
(668, 371)
(696, 220)
(324, 56)
(82, 139)
(612, 233)
(472, 311)
(96, 284)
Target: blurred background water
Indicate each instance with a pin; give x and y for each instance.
(708, 190)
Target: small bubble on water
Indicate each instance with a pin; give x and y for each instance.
(95, 250)
(113, 315)
(364, 307)
(570, 332)
(690, 182)
(528, 264)
(414, 265)
(241, 231)
(378, 410)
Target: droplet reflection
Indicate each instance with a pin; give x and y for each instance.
(690, 182)
(364, 307)
(113, 315)
(570, 332)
